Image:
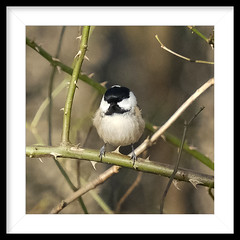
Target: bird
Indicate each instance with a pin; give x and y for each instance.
(118, 120)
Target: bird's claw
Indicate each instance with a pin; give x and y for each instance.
(102, 151)
(133, 156)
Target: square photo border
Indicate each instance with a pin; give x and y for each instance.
(17, 219)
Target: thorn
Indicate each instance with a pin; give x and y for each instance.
(148, 141)
(192, 148)
(55, 155)
(147, 159)
(75, 82)
(195, 182)
(55, 59)
(117, 150)
(79, 37)
(78, 54)
(163, 137)
(103, 83)
(59, 69)
(94, 164)
(61, 109)
(40, 160)
(91, 75)
(175, 183)
(86, 58)
(78, 145)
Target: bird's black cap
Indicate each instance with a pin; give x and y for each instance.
(116, 94)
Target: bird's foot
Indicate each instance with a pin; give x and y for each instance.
(102, 151)
(133, 156)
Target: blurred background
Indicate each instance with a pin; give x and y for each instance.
(132, 57)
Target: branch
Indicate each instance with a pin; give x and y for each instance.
(72, 87)
(119, 161)
(114, 158)
(180, 56)
(210, 40)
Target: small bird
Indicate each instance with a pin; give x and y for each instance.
(118, 120)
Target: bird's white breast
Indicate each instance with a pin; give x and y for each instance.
(119, 129)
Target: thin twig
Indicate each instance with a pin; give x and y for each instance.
(181, 56)
(186, 124)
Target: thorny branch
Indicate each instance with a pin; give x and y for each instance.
(143, 165)
(72, 87)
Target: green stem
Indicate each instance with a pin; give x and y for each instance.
(72, 86)
(198, 33)
(143, 165)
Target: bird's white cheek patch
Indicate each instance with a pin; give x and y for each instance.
(128, 103)
(104, 105)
